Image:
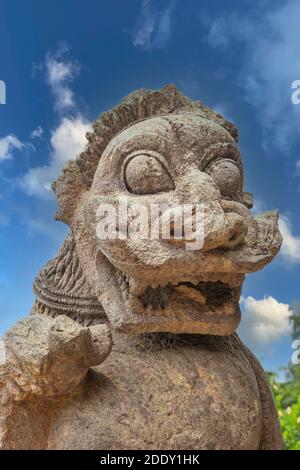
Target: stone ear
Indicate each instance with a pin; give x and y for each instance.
(69, 188)
(247, 199)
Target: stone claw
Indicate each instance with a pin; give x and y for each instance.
(49, 357)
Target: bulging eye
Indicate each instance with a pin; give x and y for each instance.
(227, 176)
(145, 174)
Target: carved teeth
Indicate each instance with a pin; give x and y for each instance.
(135, 304)
(138, 286)
(191, 293)
(133, 289)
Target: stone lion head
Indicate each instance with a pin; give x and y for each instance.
(160, 148)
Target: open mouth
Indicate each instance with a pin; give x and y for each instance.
(212, 294)
(198, 306)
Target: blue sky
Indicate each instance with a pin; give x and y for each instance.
(65, 62)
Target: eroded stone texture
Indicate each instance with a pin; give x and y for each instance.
(178, 376)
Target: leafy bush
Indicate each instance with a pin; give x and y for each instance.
(287, 397)
(287, 394)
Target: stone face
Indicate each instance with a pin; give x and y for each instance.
(177, 376)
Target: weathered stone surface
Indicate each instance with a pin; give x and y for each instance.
(166, 391)
(178, 376)
(45, 359)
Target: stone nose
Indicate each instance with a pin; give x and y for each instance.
(225, 230)
(224, 223)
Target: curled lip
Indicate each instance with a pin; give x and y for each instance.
(154, 259)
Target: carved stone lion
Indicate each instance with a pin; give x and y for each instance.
(159, 318)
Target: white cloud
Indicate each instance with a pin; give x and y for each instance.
(68, 138)
(153, 28)
(7, 146)
(290, 249)
(59, 74)
(264, 321)
(270, 62)
(67, 141)
(37, 133)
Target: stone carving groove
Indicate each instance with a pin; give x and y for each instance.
(61, 288)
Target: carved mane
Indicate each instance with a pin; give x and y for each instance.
(61, 288)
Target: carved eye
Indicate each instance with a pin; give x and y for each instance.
(145, 174)
(227, 176)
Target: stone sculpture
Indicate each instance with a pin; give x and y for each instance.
(157, 319)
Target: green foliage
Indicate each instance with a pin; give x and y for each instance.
(287, 397)
(287, 394)
(295, 319)
(290, 423)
